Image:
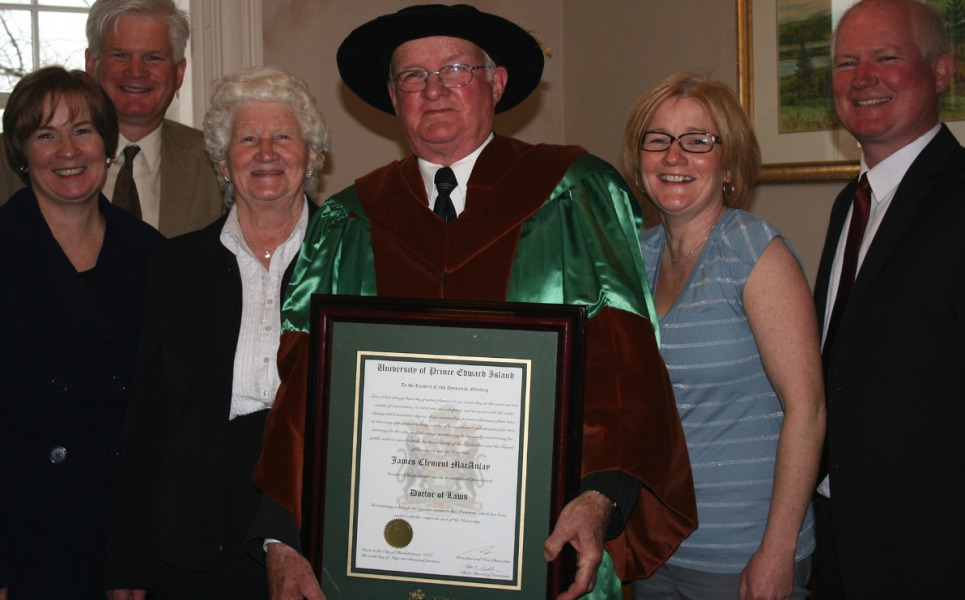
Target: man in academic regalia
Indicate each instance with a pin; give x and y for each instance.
(471, 215)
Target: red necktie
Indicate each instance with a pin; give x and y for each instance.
(849, 264)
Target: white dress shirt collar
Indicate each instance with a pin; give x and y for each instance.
(147, 174)
(150, 149)
(461, 168)
(886, 175)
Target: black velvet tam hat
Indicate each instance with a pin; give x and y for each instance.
(363, 58)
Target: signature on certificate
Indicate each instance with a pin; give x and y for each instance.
(476, 553)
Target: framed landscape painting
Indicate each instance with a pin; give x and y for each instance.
(784, 69)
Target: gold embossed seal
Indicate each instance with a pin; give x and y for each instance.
(398, 533)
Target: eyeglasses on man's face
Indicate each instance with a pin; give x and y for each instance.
(451, 76)
(696, 142)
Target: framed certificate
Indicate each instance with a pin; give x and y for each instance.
(442, 442)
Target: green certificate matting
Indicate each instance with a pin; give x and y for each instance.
(442, 477)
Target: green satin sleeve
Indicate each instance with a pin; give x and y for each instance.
(583, 247)
(608, 585)
(336, 258)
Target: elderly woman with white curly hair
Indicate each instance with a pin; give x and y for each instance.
(206, 375)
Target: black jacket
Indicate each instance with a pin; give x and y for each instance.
(67, 352)
(895, 386)
(169, 497)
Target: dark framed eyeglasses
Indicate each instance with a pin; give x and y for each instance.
(695, 142)
(451, 76)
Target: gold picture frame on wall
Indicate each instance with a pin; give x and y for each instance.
(799, 156)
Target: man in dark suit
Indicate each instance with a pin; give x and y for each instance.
(891, 514)
(136, 51)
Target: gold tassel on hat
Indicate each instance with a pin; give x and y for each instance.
(546, 50)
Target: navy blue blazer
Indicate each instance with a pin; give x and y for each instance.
(66, 355)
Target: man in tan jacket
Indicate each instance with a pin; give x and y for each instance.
(136, 52)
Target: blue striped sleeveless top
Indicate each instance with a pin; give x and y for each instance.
(730, 412)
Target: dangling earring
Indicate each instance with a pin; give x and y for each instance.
(23, 168)
(108, 161)
(226, 179)
(309, 174)
(636, 180)
(728, 189)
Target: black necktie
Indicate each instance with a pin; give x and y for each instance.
(860, 209)
(125, 192)
(445, 183)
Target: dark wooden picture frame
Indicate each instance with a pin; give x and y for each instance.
(549, 337)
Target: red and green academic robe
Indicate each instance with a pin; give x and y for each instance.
(543, 223)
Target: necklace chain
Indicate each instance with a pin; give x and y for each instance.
(666, 245)
(265, 252)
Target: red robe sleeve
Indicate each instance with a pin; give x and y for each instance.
(630, 423)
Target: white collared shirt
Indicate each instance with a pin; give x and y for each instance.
(147, 174)
(884, 179)
(256, 379)
(462, 170)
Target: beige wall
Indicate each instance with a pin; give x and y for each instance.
(605, 54)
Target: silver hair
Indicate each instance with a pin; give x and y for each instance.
(107, 13)
(263, 84)
(928, 28)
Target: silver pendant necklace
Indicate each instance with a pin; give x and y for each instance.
(265, 252)
(666, 244)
